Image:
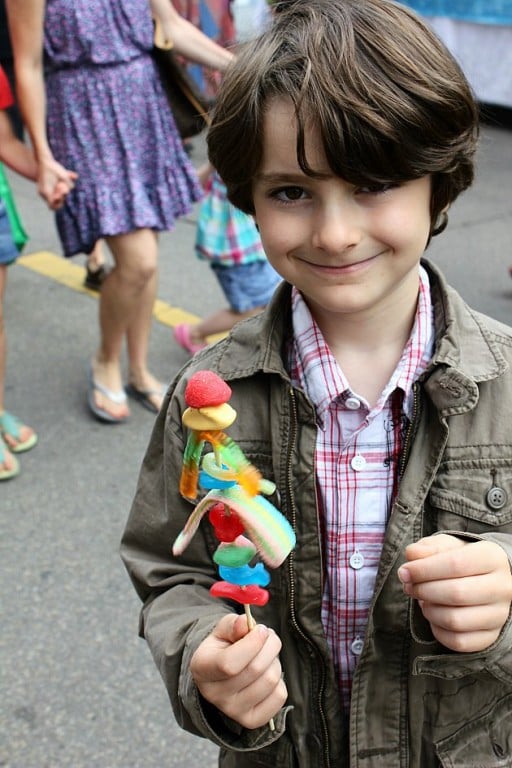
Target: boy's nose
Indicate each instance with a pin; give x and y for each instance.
(336, 229)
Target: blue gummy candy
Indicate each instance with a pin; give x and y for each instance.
(245, 575)
(207, 481)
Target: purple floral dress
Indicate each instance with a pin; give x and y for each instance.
(109, 121)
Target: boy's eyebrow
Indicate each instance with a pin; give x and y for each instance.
(278, 177)
(290, 177)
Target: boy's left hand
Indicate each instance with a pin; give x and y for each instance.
(464, 589)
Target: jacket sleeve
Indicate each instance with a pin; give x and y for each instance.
(178, 611)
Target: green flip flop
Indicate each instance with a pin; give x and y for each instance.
(10, 426)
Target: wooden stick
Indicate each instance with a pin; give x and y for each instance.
(251, 624)
(250, 618)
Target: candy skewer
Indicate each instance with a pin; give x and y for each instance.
(234, 501)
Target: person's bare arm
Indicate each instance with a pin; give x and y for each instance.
(26, 24)
(13, 152)
(186, 39)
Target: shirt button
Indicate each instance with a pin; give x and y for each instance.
(356, 561)
(357, 646)
(352, 403)
(358, 463)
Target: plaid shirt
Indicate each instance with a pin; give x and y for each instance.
(225, 236)
(357, 456)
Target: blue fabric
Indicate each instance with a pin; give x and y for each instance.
(479, 11)
(8, 250)
(247, 286)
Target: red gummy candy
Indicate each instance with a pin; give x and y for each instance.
(226, 525)
(205, 389)
(250, 595)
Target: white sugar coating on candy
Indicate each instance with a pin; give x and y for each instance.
(267, 528)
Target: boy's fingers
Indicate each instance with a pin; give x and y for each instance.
(462, 560)
(431, 558)
(475, 618)
(467, 591)
(224, 654)
(231, 628)
(249, 657)
(432, 545)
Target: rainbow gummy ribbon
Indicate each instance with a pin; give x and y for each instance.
(267, 528)
(226, 452)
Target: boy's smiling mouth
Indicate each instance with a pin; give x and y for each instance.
(340, 269)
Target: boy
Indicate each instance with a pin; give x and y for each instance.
(377, 401)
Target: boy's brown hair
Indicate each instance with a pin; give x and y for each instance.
(389, 100)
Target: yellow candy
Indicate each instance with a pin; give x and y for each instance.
(215, 417)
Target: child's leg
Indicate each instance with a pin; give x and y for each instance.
(96, 258)
(16, 436)
(247, 287)
(95, 272)
(220, 322)
(3, 344)
(8, 464)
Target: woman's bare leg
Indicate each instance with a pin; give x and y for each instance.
(138, 342)
(126, 296)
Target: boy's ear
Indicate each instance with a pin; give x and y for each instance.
(441, 222)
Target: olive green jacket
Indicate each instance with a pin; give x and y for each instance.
(414, 703)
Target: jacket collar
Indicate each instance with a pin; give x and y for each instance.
(466, 351)
(259, 344)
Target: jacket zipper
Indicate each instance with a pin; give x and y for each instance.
(403, 463)
(293, 509)
(410, 430)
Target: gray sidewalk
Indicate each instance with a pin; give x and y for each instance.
(78, 688)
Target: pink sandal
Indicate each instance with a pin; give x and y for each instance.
(182, 336)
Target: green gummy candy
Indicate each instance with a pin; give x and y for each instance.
(233, 556)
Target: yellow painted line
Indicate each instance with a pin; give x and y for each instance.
(66, 273)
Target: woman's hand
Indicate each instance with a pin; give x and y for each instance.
(54, 182)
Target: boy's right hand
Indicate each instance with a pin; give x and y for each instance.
(239, 672)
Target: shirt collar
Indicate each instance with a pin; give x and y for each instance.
(316, 370)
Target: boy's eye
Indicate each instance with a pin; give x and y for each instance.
(288, 194)
(377, 188)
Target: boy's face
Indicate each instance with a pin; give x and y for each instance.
(349, 250)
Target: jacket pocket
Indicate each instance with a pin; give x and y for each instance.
(279, 753)
(473, 495)
(483, 743)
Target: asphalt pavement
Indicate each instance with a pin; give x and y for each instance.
(78, 688)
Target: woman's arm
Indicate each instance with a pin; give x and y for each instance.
(26, 25)
(187, 40)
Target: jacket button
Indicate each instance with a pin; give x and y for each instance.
(496, 498)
